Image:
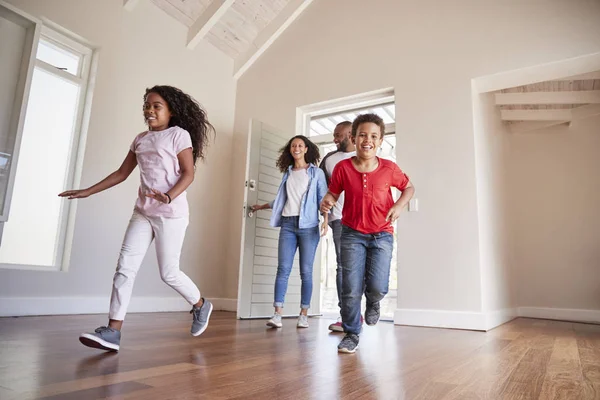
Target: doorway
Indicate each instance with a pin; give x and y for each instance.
(318, 124)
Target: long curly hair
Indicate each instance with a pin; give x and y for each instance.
(285, 159)
(187, 114)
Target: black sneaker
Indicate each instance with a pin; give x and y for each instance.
(372, 313)
(349, 343)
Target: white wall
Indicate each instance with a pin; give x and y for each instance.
(429, 52)
(555, 190)
(137, 50)
(493, 199)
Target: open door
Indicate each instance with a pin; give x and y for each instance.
(258, 261)
(20, 34)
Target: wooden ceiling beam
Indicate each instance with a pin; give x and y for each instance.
(573, 97)
(585, 111)
(581, 77)
(531, 120)
(207, 20)
(536, 115)
(529, 126)
(269, 34)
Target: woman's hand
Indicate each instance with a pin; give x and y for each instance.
(159, 196)
(325, 224)
(75, 194)
(257, 207)
(324, 228)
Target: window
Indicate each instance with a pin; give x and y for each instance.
(37, 234)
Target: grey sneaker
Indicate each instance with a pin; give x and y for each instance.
(104, 338)
(302, 321)
(200, 317)
(349, 343)
(372, 313)
(275, 321)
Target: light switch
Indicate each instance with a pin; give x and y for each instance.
(413, 205)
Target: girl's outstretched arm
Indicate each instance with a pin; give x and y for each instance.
(186, 166)
(111, 180)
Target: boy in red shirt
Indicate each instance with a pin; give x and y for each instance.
(367, 234)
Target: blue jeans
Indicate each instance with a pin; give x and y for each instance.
(291, 238)
(336, 231)
(366, 261)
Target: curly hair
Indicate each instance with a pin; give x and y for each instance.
(285, 160)
(187, 114)
(364, 118)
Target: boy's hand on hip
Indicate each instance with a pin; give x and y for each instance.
(394, 213)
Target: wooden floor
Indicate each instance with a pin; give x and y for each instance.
(40, 357)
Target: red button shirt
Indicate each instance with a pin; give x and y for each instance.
(368, 196)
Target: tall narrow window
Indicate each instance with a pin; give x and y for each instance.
(36, 234)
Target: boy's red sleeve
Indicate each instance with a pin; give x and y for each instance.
(399, 179)
(336, 185)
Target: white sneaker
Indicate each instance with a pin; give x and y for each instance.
(275, 321)
(302, 321)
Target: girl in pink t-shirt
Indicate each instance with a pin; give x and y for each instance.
(177, 135)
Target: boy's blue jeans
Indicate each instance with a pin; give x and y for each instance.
(366, 260)
(291, 238)
(336, 230)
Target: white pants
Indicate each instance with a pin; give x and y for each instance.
(169, 234)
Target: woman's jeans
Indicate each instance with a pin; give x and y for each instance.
(291, 238)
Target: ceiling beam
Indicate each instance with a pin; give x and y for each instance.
(129, 5)
(581, 77)
(536, 115)
(575, 97)
(206, 21)
(585, 111)
(528, 126)
(565, 115)
(269, 34)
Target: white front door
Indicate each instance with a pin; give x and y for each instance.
(258, 261)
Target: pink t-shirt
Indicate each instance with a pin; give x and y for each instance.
(156, 153)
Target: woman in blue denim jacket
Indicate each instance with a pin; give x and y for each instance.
(296, 211)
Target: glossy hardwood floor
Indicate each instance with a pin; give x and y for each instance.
(40, 357)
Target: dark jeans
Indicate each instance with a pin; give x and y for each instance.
(291, 238)
(336, 231)
(366, 260)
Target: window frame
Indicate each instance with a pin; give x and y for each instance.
(85, 79)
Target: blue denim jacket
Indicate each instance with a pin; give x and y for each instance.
(309, 205)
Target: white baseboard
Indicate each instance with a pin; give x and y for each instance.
(224, 304)
(499, 317)
(469, 320)
(22, 306)
(560, 314)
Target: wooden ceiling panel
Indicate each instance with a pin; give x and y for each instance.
(241, 24)
(184, 11)
(242, 29)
